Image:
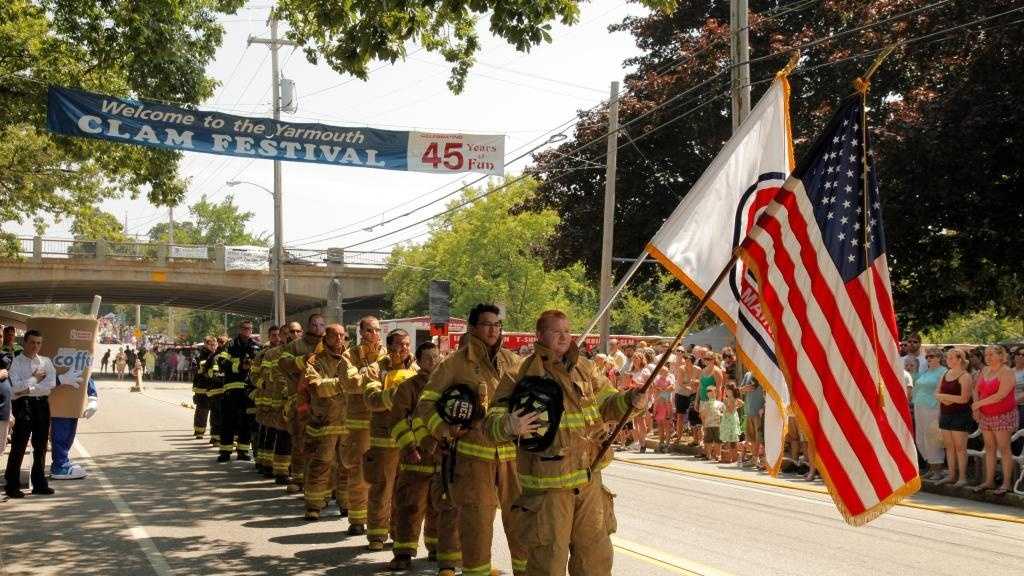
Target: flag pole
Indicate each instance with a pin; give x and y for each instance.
(690, 320)
(613, 296)
(863, 86)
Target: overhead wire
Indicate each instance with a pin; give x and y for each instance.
(524, 176)
(676, 118)
(766, 16)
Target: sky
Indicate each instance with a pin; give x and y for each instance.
(522, 95)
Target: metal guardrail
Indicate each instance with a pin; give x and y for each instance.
(37, 248)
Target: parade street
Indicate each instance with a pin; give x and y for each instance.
(156, 502)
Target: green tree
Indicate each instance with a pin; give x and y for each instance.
(154, 49)
(981, 327)
(656, 304)
(349, 35)
(212, 223)
(947, 126)
(491, 252)
(94, 224)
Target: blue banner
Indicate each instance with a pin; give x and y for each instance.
(89, 115)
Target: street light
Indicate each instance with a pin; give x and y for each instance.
(279, 310)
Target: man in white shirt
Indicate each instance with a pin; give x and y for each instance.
(32, 378)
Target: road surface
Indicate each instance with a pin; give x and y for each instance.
(156, 502)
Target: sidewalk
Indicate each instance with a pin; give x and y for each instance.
(791, 472)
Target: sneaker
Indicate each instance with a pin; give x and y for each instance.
(357, 530)
(14, 493)
(44, 491)
(294, 488)
(224, 457)
(312, 515)
(282, 480)
(375, 546)
(72, 472)
(243, 456)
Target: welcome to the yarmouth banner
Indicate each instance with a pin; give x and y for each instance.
(86, 114)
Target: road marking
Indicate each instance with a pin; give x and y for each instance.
(817, 490)
(664, 560)
(137, 532)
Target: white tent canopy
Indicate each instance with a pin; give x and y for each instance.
(715, 337)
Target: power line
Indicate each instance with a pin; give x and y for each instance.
(524, 176)
(676, 118)
(769, 15)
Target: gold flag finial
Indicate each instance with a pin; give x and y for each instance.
(794, 60)
(862, 83)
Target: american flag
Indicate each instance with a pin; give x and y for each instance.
(818, 254)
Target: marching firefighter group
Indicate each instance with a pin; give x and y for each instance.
(405, 441)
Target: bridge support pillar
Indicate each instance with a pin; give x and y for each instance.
(37, 248)
(219, 255)
(161, 254)
(333, 311)
(102, 250)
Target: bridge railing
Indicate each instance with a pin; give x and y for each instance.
(38, 248)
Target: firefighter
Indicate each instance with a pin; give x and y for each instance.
(564, 506)
(363, 360)
(292, 363)
(202, 383)
(484, 470)
(263, 442)
(236, 363)
(380, 464)
(326, 371)
(216, 388)
(275, 389)
(414, 500)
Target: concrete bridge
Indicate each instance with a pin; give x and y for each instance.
(199, 277)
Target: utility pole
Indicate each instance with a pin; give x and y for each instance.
(739, 49)
(608, 230)
(279, 289)
(739, 35)
(170, 250)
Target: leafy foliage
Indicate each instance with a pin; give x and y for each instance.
(947, 133)
(154, 49)
(981, 327)
(349, 35)
(94, 224)
(491, 253)
(212, 223)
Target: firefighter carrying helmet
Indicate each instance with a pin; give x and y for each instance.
(543, 396)
(459, 405)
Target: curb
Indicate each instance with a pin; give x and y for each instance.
(1010, 500)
